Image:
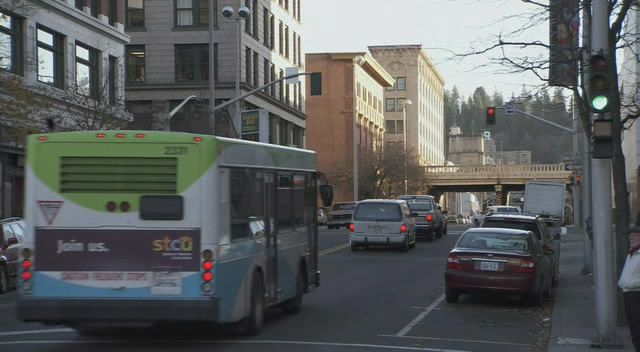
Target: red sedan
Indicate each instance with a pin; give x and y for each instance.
(498, 260)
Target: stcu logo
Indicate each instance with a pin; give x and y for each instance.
(182, 244)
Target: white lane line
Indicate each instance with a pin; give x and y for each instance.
(420, 316)
(33, 332)
(459, 340)
(254, 342)
(334, 249)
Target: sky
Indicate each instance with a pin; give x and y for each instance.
(443, 27)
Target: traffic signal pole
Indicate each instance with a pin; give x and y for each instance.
(604, 263)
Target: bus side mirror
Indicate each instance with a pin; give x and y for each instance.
(326, 193)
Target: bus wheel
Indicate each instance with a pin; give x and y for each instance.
(4, 279)
(255, 322)
(294, 305)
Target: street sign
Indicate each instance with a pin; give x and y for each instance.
(509, 109)
(573, 167)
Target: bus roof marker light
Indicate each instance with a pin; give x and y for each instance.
(139, 135)
(121, 135)
(100, 135)
(43, 138)
(197, 139)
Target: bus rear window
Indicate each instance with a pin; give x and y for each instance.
(161, 208)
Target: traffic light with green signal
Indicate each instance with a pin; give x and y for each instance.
(491, 115)
(599, 84)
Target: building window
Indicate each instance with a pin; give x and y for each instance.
(286, 5)
(390, 105)
(50, 57)
(96, 7)
(281, 38)
(113, 75)
(247, 23)
(399, 126)
(272, 32)
(299, 96)
(299, 52)
(247, 62)
(254, 19)
(192, 62)
(86, 71)
(134, 14)
(79, 4)
(10, 43)
(135, 64)
(401, 83)
(295, 49)
(256, 69)
(400, 104)
(286, 42)
(272, 77)
(281, 86)
(265, 27)
(192, 13)
(113, 12)
(391, 126)
(265, 69)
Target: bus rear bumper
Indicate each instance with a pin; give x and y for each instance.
(61, 311)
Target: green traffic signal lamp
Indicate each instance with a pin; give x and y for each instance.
(599, 84)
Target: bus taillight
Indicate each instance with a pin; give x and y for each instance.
(26, 253)
(207, 266)
(27, 275)
(26, 265)
(207, 277)
(207, 254)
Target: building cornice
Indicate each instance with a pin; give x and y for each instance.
(399, 49)
(370, 65)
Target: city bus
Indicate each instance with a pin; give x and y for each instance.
(142, 227)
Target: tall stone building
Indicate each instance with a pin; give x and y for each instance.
(348, 118)
(167, 61)
(419, 82)
(60, 61)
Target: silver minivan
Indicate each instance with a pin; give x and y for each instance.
(382, 222)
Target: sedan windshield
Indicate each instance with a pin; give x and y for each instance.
(377, 212)
(495, 241)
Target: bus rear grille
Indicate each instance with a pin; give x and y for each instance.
(118, 175)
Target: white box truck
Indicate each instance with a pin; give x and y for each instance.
(546, 199)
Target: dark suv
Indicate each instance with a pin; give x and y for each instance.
(535, 224)
(11, 239)
(430, 219)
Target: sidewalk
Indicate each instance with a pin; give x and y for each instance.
(573, 318)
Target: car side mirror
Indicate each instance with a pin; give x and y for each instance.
(326, 193)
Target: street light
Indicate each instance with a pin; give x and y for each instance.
(243, 12)
(404, 134)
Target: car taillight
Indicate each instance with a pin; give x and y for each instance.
(352, 227)
(453, 262)
(404, 228)
(429, 218)
(527, 265)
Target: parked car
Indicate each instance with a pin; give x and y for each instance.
(536, 224)
(322, 217)
(494, 209)
(430, 219)
(452, 219)
(382, 223)
(11, 239)
(340, 215)
(498, 260)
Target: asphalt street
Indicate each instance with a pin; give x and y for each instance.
(373, 300)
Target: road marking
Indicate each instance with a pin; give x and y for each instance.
(253, 342)
(334, 249)
(459, 340)
(573, 341)
(33, 332)
(420, 316)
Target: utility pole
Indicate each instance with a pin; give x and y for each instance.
(587, 251)
(212, 69)
(604, 268)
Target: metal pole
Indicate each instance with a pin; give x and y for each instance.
(604, 268)
(237, 119)
(212, 69)
(576, 156)
(404, 134)
(586, 152)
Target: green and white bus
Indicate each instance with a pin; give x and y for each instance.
(128, 227)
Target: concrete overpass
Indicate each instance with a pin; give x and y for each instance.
(491, 178)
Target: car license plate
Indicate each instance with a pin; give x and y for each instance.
(489, 266)
(166, 283)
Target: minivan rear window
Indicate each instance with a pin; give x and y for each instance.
(377, 212)
(420, 206)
